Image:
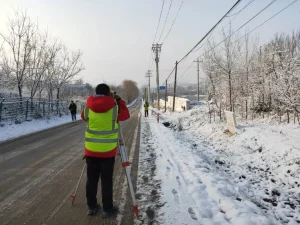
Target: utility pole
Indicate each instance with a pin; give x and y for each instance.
(145, 94)
(198, 69)
(157, 49)
(148, 74)
(175, 79)
(166, 95)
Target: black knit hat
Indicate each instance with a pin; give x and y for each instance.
(102, 89)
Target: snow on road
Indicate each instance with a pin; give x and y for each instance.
(184, 178)
(10, 130)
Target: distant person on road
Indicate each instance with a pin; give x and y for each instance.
(73, 110)
(102, 113)
(146, 106)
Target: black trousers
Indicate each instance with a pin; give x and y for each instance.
(100, 167)
(73, 116)
(146, 112)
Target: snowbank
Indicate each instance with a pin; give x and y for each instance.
(262, 161)
(133, 102)
(178, 185)
(10, 130)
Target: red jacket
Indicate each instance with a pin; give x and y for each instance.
(101, 104)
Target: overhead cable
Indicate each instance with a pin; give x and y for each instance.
(173, 22)
(165, 21)
(162, 7)
(211, 29)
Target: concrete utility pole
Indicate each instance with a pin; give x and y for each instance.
(157, 49)
(148, 74)
(166, 95)
(175, 81)
(198, 69)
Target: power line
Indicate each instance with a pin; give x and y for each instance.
(236, 14)
(255, 27)
(290, 25)
(173, 21)
(182, 75)
(268, 19)
(294, 28)
(162, 7)
(252, 29)
(165, 21)
(156, 34)
(169, 75)
(211, 30)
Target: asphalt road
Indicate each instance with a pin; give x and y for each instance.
(38, 172)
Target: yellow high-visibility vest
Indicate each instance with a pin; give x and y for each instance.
(101, 134)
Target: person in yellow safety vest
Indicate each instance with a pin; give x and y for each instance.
(102, 114)
(146, 106)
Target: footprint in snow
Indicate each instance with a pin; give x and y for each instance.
(168, 171)
(170, 162)
(176, 196)
(192, 213)
(178, 180)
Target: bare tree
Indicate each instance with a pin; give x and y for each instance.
(67, 67)
(247, 71)
(129, 90)
(53, 68)
(225, 60)
(268, 75)
(20, 43)
(38, 64)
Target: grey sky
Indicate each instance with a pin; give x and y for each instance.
(116, 35)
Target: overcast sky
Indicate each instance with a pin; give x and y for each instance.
(115, 36)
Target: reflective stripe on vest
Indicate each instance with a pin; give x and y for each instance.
(101, 132)
(101, 135)
(101, 140)
(114, 117)
(86, 113)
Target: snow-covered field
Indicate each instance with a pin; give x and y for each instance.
(10, 130)
(191, 172)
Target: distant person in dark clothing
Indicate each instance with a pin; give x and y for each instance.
(146, 106)
(73, 110)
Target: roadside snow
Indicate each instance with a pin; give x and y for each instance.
(203, 176)
(10, 130)
(133, 102)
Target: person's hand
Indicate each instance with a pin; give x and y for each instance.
(117, 97)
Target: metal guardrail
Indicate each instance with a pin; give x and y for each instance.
(26, 109)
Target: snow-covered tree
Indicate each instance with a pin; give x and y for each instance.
(243, 76)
